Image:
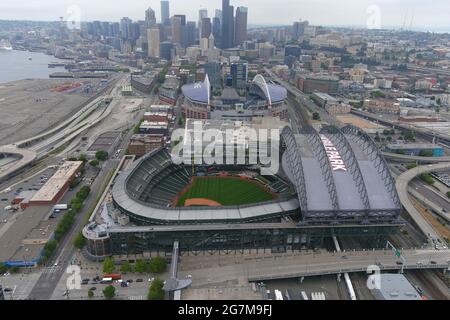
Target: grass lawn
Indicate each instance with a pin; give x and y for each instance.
(226, 191)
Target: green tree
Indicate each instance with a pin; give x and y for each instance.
(82, 157)
(448, 194)
(426, 153)
(140, 266)
(410, 166)
(90, 294)
(14, 269)
(108, 266)
(316, 116)
(79, 241)
(428, 179)
(126, 267)
(158, 265)
(101, 155)
(156, 291)
(109, 292)
(3, 268)
(377, 94)
(94, 163)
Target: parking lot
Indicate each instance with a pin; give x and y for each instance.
(92, 273)
(26, 189)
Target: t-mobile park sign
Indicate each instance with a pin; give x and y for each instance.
(333, 154)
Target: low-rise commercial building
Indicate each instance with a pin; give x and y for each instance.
(143, 83)
(168, 92)
(382, 106)
(310, 84)
(57, 185)
(141, 144)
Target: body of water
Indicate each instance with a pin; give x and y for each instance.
(16, 65)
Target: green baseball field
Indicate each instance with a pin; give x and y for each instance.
(226, 191)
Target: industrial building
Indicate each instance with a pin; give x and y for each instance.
(107, 141)
(29, 252)
(55, 188)
(332, 182)
(395, 287)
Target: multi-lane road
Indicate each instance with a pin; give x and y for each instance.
(402, 185)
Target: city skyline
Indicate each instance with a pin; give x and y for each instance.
(411, 14)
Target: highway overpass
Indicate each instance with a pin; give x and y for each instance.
(402, 185)
(424, 133)
(307, 265)
(25, 158)
(420, 160)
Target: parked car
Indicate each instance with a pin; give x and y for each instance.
(139, 280)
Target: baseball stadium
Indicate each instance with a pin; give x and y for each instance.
(330, 182)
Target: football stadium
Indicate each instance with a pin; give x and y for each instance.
(330, 182)
(261, 99)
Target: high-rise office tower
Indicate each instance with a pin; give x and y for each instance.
(218, 14)
(239, 73)
(182, 17)
(241, 25)
(153, 36)
(217, 30)
(165, 13)
(125, 28)
(202, 14)
(150, 18)
(165, 50)
(298, 29)
(188, 34)
(227, 25)
(206, 29)
(176, 29)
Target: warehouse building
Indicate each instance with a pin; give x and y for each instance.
(395, 287)
(57, 185)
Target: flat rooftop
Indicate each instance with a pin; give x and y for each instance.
(53, 186)
(105, 141)
(396, 287)
(358, 122)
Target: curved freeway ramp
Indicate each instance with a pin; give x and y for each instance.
(26, 157)
(402, 184)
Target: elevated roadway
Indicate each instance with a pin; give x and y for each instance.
(26, 158)
(420, 160)
(402, 186)
(297, 266)
(424, 133)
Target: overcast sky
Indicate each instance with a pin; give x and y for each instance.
(424, 14)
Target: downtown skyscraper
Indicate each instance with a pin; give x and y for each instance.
(165, 13)
(240, 26)
(227, 37)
